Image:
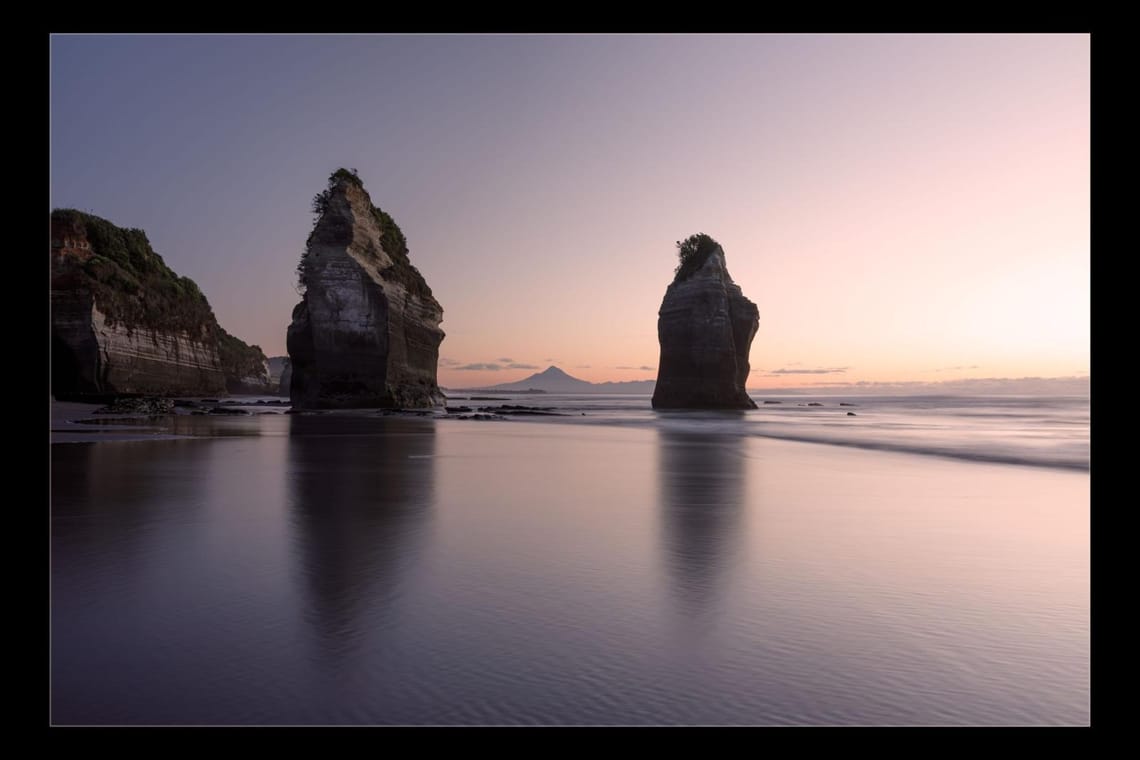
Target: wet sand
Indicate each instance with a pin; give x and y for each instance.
(325, 569)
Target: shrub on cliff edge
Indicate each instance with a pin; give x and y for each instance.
(392, 238)
(693, 252)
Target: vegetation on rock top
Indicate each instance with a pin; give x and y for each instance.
(239, 360)
(693, 252)
(131, 283)
(392, 238)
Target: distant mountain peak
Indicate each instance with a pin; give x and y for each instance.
(554, 380)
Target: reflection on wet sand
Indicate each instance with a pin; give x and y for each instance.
(701, 480)
(357, 532)
(116, 494)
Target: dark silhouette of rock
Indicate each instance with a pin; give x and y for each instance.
(705, 327)
(851, 414)
(366, 333)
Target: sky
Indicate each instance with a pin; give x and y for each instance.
(900, 207)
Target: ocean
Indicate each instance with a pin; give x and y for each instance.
(923, 562)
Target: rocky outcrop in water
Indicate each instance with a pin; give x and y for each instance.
(121, 321)
(366, 333)
(705, 327)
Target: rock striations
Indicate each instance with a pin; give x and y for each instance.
(366, 333)
(121, 321)
(705, 327)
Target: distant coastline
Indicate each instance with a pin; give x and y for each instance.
(554, 380)
(490, 390)
(1031, 386)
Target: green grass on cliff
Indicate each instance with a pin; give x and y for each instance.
(131, 283)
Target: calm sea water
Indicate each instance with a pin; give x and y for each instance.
(610, 566)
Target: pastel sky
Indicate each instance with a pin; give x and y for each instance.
(900, 207)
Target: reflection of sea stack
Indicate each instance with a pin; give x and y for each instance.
(705, 327)
(357, 534)
(702, 498)
(366, 333)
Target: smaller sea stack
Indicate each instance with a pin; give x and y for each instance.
(705, 327)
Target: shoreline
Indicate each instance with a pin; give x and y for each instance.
(76, 422)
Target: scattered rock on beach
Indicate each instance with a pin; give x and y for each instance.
(138, 405)
(519, 410)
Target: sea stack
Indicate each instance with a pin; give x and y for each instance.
(705, 327)
(366, 332)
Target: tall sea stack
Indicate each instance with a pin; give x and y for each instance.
(705, 327)
(366, 333)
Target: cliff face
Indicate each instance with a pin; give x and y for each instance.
(366, 333)
(122, 321)
(286, 382)
(280, 374)
(245, 367)
(705, 327)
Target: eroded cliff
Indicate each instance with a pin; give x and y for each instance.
(122, 321)
(245, 367)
